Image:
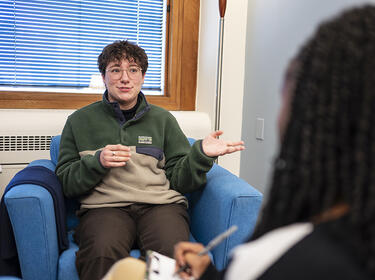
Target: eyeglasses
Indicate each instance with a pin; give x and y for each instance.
(133, 72)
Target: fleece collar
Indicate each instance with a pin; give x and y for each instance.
(143, 107)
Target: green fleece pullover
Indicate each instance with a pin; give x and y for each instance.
(161, 168)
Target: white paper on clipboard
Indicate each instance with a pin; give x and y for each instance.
(160, 267)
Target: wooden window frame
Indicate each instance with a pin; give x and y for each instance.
(181, 70)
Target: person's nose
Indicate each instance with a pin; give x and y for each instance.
(124, 76)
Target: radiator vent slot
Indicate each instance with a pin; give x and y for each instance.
(24, 143)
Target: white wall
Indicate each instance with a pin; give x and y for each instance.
(233, 73)
(275, 31)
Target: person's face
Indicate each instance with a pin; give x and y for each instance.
(286, 98)
(122, 87)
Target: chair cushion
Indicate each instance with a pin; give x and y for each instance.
(67, 267)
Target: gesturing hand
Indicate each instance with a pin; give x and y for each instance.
(187, 253)
(114, 155)
(213, 146)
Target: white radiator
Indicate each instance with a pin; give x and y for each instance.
(25, 135)
(15, 149)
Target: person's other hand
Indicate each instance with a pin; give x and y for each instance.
(213, 146)
(114, 155)
(186, 253)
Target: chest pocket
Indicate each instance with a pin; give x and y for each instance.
(151, 151)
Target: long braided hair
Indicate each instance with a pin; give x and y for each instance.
(327, 154)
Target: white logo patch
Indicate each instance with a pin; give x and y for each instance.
(144, 140)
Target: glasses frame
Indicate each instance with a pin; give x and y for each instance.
(130, 76)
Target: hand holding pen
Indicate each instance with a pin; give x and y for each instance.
(192, 259)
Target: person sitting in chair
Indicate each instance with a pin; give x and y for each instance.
(128, 163)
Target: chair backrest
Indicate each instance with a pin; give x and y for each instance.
(71, 205)
(54, 148)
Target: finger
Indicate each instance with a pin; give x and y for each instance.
(198, 264)
(109, 155)
(120, 147)
(121, 154)
(237, 148)
(231, 150)
(116, 164)
(178, 255)
(185, 275)
(237, 143)
(120, 159)
(216, 133)
(117, 147)
(182, 248)
(190, 247)
(110, 147)
(179, 252)
(118, 156)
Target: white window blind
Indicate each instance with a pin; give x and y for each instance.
(51, 43)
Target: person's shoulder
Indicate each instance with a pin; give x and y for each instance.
(91, 108)
(317, 256)
(158, 109)
(159, 112)
(266, 250)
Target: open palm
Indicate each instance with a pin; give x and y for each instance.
(213, 146)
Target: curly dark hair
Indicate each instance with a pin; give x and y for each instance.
(327, 154)
(122, 49)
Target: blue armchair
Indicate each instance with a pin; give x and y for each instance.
(226, 200)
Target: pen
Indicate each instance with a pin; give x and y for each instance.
(212, 244)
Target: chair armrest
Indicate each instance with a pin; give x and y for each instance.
(31, 212)
(226, 200)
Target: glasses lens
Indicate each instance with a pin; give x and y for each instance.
(132, 72)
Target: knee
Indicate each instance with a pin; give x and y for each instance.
(94, 259)
(103, 247)
(93, 268)
(164, 247)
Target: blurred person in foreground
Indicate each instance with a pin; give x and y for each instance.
(319, 220)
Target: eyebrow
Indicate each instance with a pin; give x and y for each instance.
(114, 65)
(118, 65)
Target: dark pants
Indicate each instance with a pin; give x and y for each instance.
(106, 235)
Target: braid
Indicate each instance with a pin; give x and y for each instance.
(327, 154)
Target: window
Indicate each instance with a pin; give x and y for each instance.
(56, 43)
(172, 69)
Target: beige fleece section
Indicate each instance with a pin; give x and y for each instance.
(141, 180)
